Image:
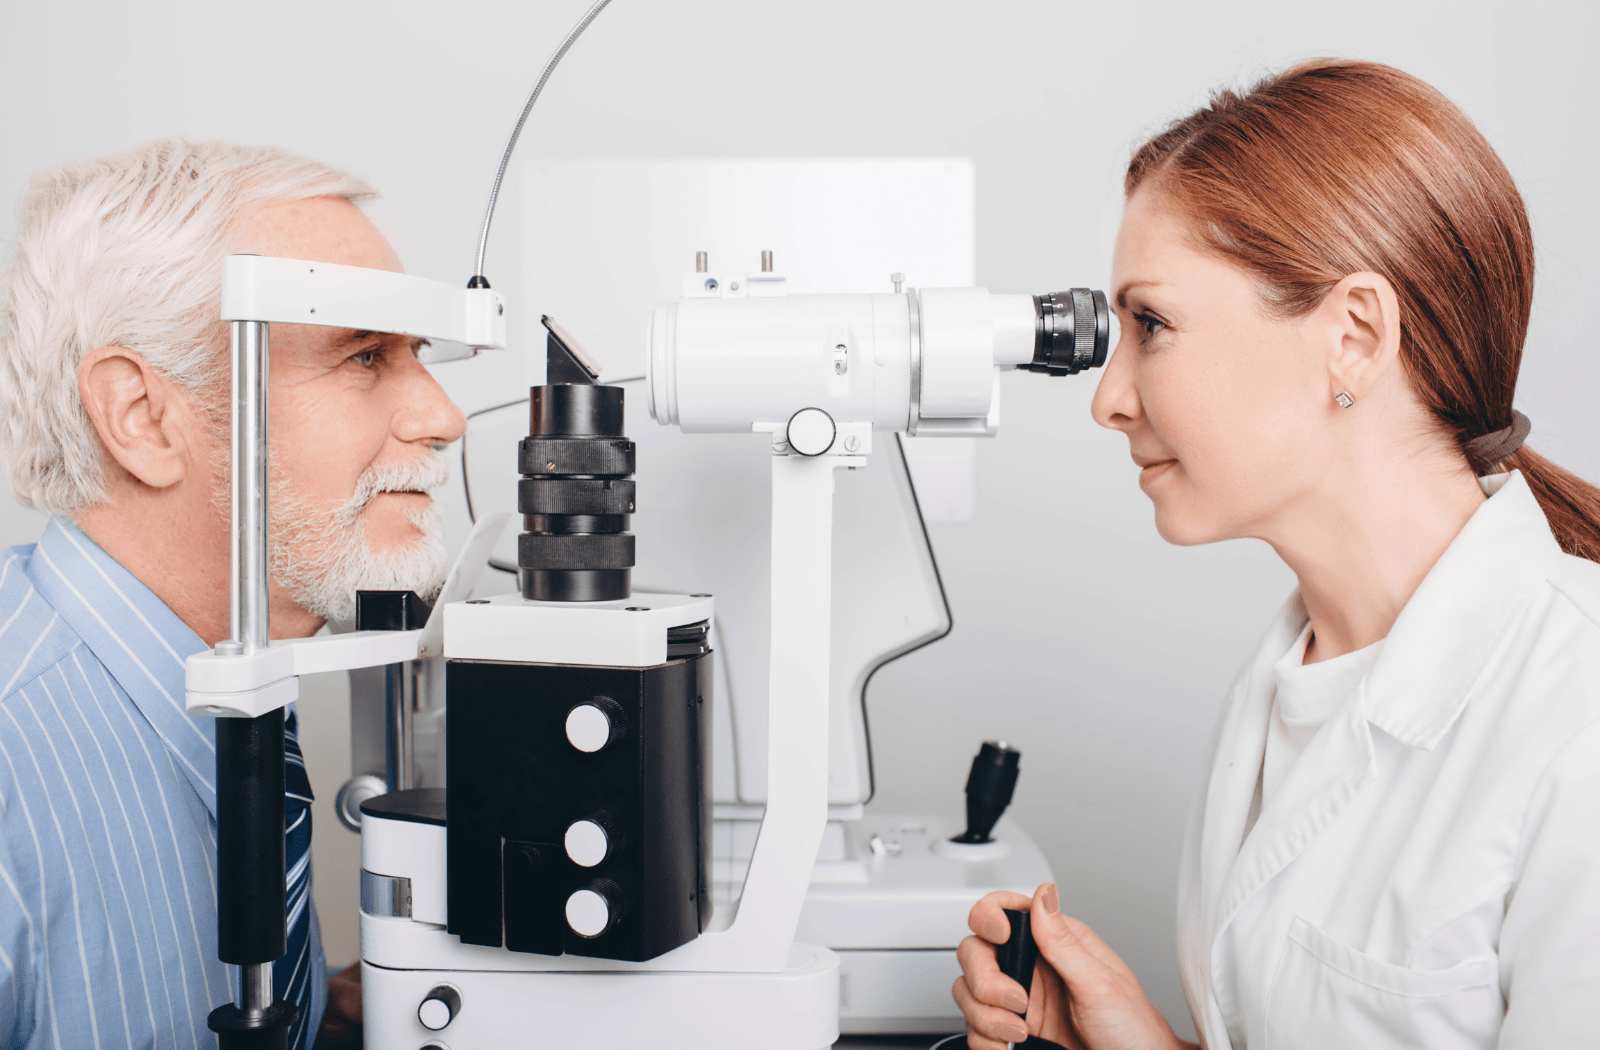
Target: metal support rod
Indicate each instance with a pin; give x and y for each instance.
(255, 990)
(252, 924)
(399, 711)
(247, 613)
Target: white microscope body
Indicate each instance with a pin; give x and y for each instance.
(823, 376)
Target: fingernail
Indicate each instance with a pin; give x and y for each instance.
(1052, 903)
(997, 931)
(1014, 1033)
(1015, 1001)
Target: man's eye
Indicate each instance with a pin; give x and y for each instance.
(367, 358)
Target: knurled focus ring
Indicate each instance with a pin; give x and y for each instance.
(1083, 329)
(591, 456)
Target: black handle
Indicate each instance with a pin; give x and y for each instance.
(1019, 954)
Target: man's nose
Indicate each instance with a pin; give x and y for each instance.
(425, 412)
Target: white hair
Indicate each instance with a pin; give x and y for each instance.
(125, 250)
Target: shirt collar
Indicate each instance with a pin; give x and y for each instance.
(140, 641)
(1443, 640)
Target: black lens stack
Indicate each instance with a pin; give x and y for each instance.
(577, 489)
(1072, 332)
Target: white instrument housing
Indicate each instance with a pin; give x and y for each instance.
(923, 361)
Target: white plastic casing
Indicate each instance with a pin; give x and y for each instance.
(728, 364)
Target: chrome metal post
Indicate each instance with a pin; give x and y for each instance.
(252, 924)
(255, 990)
(248, 590)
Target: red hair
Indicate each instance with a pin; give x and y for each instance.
(1335, 167)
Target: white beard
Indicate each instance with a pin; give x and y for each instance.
(323, 559)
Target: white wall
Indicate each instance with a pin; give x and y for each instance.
(1078, 633)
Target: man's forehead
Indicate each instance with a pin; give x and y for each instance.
(319, 229)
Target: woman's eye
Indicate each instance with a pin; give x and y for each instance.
(1150, 324)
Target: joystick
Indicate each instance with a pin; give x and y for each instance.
(990, 785)
(1017, 958)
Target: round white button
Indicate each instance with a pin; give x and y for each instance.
(586, 843)
(434, 1014)
(587, 913)
(588, 728)
(811, 432)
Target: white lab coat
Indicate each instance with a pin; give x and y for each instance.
(1428, 874)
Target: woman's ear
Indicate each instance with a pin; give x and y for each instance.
(1361, 317)
(142, 420)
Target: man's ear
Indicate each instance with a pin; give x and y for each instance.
(143, 421)
(1362, 319)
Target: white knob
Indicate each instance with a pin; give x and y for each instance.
(588, 728)
(587, 843)
(439, 1008)
(811, 432)
(588, 913)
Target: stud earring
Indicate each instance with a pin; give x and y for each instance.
(1344, 399)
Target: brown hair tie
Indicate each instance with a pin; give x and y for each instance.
(1488, 450)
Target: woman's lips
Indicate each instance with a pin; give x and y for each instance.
(1155, 470)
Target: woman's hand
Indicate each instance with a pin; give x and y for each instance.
(1083, 996)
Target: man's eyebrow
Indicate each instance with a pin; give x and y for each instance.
(1122, 292)
(354, 337)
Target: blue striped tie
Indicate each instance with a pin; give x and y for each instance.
(291, 975)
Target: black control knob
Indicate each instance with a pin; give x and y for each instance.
(440, 1007)
(990, 785)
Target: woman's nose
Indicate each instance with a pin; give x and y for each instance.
(1116, 400)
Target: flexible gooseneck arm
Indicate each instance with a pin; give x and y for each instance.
(516, 132)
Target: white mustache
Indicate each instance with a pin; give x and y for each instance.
(416, 475)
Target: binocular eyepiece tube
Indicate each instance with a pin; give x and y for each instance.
(924, 361)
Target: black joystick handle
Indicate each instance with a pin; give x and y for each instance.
(990, 786)
(1018, 956)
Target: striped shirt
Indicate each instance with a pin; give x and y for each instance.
(108, 812)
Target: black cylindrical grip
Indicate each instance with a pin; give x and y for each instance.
(575, 410)
(251, 920)
(235, 1031)
(575, 551)
(1018, 956)
(575, 585)
(595, 457)
(575, 496)
(575, 522)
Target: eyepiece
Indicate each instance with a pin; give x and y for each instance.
(1072, 331)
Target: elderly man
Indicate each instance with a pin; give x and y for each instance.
(113, 417)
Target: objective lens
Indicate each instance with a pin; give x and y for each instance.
(1072, 331)
(576, 495)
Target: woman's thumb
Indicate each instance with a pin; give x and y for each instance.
(1065, 943)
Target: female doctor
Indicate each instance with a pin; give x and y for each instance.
(1323, 286)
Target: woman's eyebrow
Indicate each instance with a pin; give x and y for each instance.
(1128, 286)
